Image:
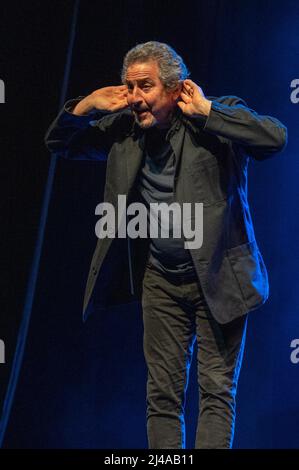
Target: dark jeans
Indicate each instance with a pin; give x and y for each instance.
(175, 314)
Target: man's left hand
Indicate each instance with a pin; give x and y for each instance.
(192, 100)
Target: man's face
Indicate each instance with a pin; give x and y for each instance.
(151, 104)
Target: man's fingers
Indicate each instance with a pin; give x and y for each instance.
(191, 85)
(189, 82)
(194, 87)
(186, 98)
(125, 103)
(181, 105)
(120, 90)
(188, 89)
(119, 105)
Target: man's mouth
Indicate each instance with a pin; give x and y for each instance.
(141, 113)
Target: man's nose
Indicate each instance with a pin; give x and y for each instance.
(135, 96)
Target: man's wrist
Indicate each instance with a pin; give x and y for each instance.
(84, 107)
(204, 109)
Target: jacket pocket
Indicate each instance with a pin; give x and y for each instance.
(250, 271)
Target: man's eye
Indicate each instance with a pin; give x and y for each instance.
(143, 87)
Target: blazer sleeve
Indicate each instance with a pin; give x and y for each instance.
(260, 136)
(79, 137)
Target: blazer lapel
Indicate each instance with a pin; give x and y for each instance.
(134, 154)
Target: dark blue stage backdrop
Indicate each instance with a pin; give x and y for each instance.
(83, 385)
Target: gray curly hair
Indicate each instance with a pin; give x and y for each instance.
(171, 66)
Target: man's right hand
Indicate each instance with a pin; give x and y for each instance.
(109, 98)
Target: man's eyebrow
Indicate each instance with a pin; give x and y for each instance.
(140, 80)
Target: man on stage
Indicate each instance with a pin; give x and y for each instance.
(165, 142)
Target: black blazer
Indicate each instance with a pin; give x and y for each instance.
(211, 167)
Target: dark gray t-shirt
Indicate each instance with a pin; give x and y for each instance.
(156, 183)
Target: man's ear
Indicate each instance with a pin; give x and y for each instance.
(177, 91)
